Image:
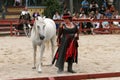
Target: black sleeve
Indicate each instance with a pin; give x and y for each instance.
(60, 30)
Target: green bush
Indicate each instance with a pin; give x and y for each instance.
(51, 7)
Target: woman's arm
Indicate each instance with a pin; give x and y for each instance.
(60, 30)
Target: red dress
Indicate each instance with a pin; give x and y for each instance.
(68, 46)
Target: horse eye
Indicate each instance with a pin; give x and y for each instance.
(43, 26)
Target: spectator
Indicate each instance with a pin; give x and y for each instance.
(76, 16)
(35, 14)
(85, 6)
(31, 2)
(108, 14)
(3, 11)
(105, 4)
(112, 8)
(116, 16)
(97, 16)
(57, 16)
(17, 2)
(93, 6)
(105, 24)
(25, 17)
(102, 9)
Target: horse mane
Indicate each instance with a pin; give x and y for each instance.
(35, 30)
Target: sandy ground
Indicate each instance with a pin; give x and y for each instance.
(97, 53)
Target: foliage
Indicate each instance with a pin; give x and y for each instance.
(51, 7)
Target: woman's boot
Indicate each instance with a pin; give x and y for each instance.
(70, 67)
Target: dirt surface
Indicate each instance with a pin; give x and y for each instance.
(97, 53)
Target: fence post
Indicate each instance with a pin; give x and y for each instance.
(11, 26)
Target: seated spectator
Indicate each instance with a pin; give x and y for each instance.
(108, 14)
(97, 16)
(75, 16)
(116, 16)
(93, 6)
(112, 8)
(105, 24)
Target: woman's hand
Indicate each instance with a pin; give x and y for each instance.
(76, 35)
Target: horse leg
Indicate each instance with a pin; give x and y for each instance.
(34, 56)
(52, 46)
(42, 47)
(25, 29)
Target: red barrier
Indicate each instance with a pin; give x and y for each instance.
(94, 20)
(12, 22)
(77, 76)
(9, 22)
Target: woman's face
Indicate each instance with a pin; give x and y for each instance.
(67, 20)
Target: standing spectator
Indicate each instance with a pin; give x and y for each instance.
(35, 14)
(17, 2)
(57, 16)
(85, 6)
(105, 4)
(3, 11)
(25, 17)
(67, 44)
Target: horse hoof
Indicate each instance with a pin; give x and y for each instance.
(33, 67)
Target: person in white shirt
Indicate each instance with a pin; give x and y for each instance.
(57, 16)
(25, 17)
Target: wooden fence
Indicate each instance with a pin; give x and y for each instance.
(15, 23)
(77, 76)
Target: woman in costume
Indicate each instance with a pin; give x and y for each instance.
(67, 44)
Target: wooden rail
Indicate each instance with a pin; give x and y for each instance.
(12, 22)
(94, 20)
(77, 76)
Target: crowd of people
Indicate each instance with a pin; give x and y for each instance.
(93, 11)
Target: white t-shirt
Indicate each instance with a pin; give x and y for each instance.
(24, 12)
(18, 1)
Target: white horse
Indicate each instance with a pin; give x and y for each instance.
(44, 29)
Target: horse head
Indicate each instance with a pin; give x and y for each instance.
(40, 27)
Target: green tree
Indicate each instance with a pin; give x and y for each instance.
(51, 7)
